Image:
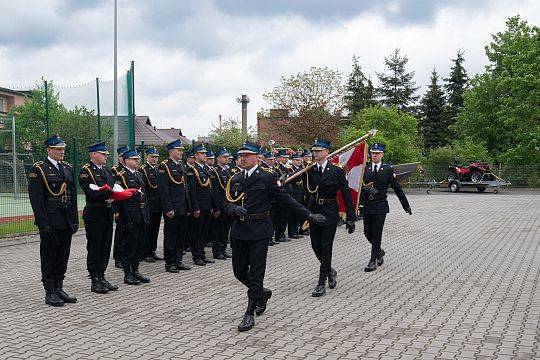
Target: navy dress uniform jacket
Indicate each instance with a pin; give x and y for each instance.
(97, 209)
(172, 187)
(385, 177)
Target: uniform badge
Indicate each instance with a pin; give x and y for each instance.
(32, 175)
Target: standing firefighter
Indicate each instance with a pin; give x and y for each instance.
(97, 182)
(54, 202)
(377, 178)
(249, 193)
(323, 181)
(175, 206)
(150, 175)
(133, 218)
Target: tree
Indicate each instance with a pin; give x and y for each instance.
(312, 102)
(502, 106)
(397, 130)
(433, 117)
(455, 86)
(359, 90)
(230, 134)
(398, 88)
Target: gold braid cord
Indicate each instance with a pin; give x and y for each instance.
(228, 193)
(219, 181)
(206, 183)
(307, 185)
(89, 171)
(62, 187)
(121, 174)
(148, 179)
(164, 163)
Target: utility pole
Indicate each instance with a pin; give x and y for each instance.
(244, 100)
(115, 82)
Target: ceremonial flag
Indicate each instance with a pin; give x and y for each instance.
(353, 162)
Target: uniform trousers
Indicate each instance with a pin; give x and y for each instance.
(118, 242)
(99, 240)
(152, 233)
(199, 234)
(249, 264)
(134, 244)
(322, 241)
(222, 225)
(373, 228)
(54, 253)
(174, 235)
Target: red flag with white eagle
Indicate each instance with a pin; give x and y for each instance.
(353, 162)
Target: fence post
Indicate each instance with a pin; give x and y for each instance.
(46, 109)
(98, 110)
(75, 163)
(14, 145)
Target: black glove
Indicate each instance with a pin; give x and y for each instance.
(408, 210)
(240, 211)
(350, 226)
(74, 228)
(373, 191)
(316, 218)
(46, 231)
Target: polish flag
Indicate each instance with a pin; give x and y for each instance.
(353, 162)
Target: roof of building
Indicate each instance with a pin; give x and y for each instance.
(16, 92)
(145, 131)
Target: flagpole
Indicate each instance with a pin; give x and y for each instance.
(115, 81)
(361, 179)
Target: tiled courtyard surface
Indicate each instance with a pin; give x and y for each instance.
(460, 281)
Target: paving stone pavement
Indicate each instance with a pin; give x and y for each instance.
(460, 281)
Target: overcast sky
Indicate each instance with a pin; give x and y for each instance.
(194, 58)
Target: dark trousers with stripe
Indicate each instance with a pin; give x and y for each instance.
(373, 228)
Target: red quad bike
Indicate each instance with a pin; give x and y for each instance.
(477, 171)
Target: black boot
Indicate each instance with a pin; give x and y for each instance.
(65, 297)
(141, 278)
(52, 299)
(248, 320)
(332, 278)
(320, 289)
(106, 283)
(118, 264)
(371, 266)
(97, 286)
(129, 277)
(380, 258)
(261, 304)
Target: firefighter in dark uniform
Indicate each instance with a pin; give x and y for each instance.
(377, 178)
(202, 204)
(118, 230)
(175, 205)
(211, 229)
(323, 181)
(281, 212)
(297, 192)
(220, 175)
(52, 195)
(248, 201)
(134, 218)
(97, 181)
(190, 161)
(150, 176)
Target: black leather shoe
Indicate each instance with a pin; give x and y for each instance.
(380, 258)
(282, 239)
(172, 269)
(53, 300)
(118, 264)
(97, 286)
(227, 255)
(261, 304)
(149, 259)
(247, 322)
(155, 257)
(107, 284)
(131, 279)
(220, 257)
(181, 266)
(65, 297)
(371, 266)
(208, 261)
(319, 290)
(143, 279)
(294, 237)
(271, 243)
(332, 279)
(199, 262)
(209, 244)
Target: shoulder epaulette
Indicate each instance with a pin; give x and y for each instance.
(121, 173)
(85, 166)
(268, 170)
(164, 162)
(38, 163)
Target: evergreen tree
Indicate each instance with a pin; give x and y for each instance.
(433, 119)
(398, 88)
(359, 90)
(455, 86)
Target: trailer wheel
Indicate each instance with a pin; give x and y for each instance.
(481, 189)
(476, 176)
(454, 187)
